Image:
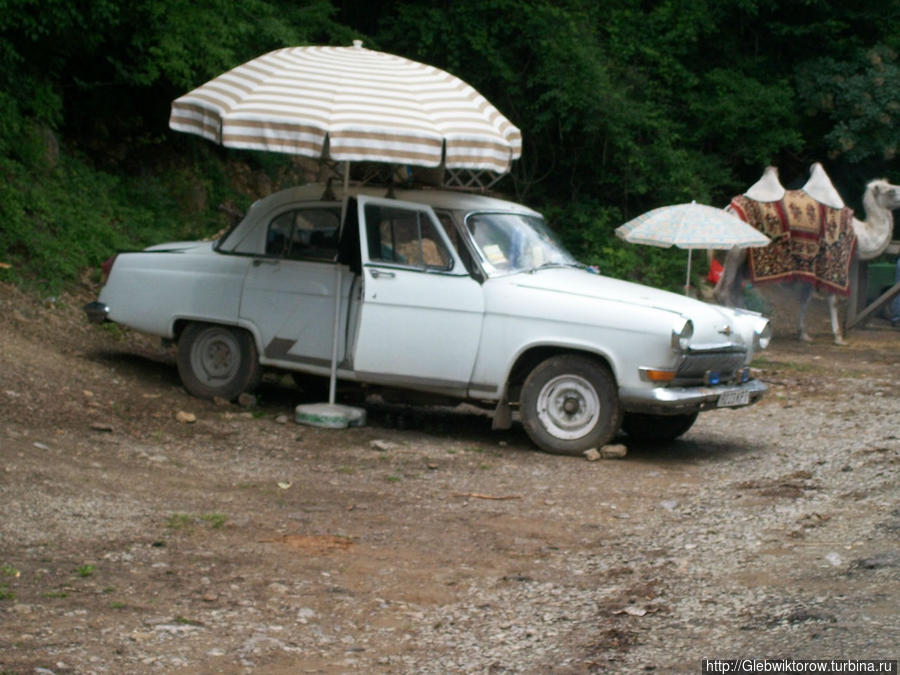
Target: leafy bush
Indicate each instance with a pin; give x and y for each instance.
(61, 215)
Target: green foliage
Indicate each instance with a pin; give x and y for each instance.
(86, 570)
(59, 219)
(860, 99)
(624, 106)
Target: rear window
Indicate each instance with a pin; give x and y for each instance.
(304, 234)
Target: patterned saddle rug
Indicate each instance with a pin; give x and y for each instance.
(811, 242)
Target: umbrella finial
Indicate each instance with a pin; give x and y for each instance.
(357, 44)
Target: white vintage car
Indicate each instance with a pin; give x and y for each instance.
(452, 294)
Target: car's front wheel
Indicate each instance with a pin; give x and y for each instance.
(217, 361)
(569, 404)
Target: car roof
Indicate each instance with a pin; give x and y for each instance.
(448, 199)
(263, 209)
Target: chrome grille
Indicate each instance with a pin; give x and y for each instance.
(696, 364)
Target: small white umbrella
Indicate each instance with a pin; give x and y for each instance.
(690, 226)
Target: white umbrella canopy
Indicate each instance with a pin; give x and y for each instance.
(691, 226)
(350, 104)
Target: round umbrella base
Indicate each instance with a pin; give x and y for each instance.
(329, 415)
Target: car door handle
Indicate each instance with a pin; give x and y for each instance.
(381, 274)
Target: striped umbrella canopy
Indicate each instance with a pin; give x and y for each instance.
(350, 104)
(690, 226)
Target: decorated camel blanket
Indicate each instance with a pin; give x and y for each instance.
(811, 242)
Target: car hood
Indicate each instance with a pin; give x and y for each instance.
(714, 326)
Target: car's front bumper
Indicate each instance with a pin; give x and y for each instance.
(678, 400)
(97, 312)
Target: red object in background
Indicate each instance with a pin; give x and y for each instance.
(715, 272)
(106, 267)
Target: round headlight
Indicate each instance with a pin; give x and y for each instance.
(682, 332)
(763, 335)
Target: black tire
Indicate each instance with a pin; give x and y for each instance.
(657, 428)
(569, 404)
(217, 361)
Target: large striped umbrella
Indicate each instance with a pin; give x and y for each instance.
(350, 104)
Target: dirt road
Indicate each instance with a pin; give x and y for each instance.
(240, 542)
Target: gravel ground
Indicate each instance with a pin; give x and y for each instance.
(133, 542)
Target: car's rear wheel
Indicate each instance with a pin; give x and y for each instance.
(569, 404)
(657, 428)
(217, 361)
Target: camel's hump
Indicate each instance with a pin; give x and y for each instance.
(768, 188)
(820, 188)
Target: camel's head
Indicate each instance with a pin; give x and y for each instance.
(886, 195)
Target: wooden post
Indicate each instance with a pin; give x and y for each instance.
(859, 277)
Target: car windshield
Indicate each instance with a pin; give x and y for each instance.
(514, 242)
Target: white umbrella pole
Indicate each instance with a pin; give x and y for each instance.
(332, 382)
(687, 281)
(331, 415)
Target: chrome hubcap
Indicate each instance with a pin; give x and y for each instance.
(216, 357)
(568, 407)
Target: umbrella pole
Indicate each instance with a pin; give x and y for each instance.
(331, 415)
(332, 381)
(687, 281)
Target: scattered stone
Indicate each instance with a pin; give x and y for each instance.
(282, 419)
(382, 446)
(100, 426)
(246, 400)
(219, 401)
(592, 455)
(185, 417)
(617, 451)
(304, 614)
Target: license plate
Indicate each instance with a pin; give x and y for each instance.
(729, 399)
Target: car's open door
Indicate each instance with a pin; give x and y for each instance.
(421, 311)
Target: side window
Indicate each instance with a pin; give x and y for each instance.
(279, 234)
(304, 234)
(405, 237)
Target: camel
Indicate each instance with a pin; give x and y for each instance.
(872, 235)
